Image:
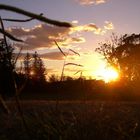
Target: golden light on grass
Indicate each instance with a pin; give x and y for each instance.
(108, 74)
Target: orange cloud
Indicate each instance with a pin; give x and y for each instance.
(93, 28)
(42, 36)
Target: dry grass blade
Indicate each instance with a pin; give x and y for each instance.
(35, 16)
(59, 48)
(10, 36)
(20, 20)
(74, 52)
(3, 106)
(77, 72)
(73, 64)
(2, 26)
(18, 56)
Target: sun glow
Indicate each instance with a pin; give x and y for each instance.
(108, 74)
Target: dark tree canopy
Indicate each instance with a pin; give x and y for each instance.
(34, 67)
(7, 66)
(123, 53)
(38, 68)
(27, 65)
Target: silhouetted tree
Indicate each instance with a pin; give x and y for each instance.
(124, 54)
(53, 78)
(38, 68)
(27, 65)
(7, 67)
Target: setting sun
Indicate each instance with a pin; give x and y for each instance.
(108, 74)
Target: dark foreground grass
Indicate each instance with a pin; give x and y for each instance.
(72, 120)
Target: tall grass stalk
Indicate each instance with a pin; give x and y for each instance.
(65, 57)
(15, 85)
(65, 64)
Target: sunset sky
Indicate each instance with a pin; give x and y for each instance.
(93, 21)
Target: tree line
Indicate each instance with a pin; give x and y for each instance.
(123, 53)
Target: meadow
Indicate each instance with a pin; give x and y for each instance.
(72, 120)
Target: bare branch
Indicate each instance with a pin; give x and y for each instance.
(35, 16)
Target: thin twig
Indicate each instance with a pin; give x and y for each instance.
(10, 36)
(20, 20)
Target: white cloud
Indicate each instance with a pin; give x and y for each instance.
(109, 25)
(90, 2)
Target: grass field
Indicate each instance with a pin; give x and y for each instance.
(72, 120)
